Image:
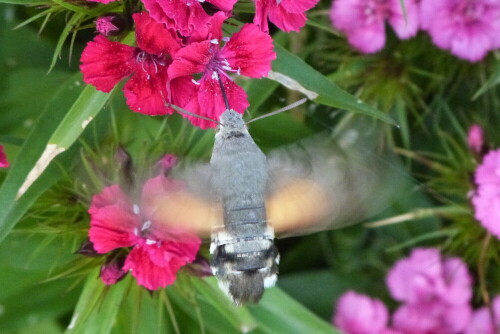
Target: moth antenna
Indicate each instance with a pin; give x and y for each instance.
(184, 111)
(224, 96)
(288, 107)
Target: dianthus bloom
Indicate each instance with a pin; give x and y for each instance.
(288, 15)
(475, 138)
(468, 28)
(185, 16)
(482, 323)
(436, 292)
(363, 21)
(360, 314)
(486, 199)
(105, 63)
(157, 252)
(4, 163)
(248, 52)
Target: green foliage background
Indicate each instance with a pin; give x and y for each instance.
(424, 98)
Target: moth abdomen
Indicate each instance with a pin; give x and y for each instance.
(245, 267)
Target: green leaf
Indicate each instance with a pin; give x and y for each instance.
(98, 305)
(279, 313)
(294, 73)
(26, 2)
(12, 209)
(83, 111)
(27, 175)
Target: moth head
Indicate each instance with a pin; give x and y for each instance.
(231, 123)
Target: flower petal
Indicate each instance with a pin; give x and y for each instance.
(364, 32)
(298, 6)
(360, 314)
(249, 51)
(211, 101)
(285, 20)
(105, 63)
(153, 189)
(155, 266)
(154, 37)
(4, 163)
(262, 8)
(192, 59)
(211, 30)
(109, 196)
(224, 5)
(184, 16)
(146, 91)
(113, 227)
(418, 277)
(404, 24)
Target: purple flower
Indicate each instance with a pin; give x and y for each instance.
(425, 277)
(475, 138)
(431, 318)
(486, 200)
(481, 320)
(363, 21)
(436, 292)
(360, 314)
(468, 28)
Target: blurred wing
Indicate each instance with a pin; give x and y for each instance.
(192, 207)
(328, 182)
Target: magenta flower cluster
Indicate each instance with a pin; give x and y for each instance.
(136, 238)
(486, 199)
(4, 163)
(434, 292)
(467, 28)
(182, 56)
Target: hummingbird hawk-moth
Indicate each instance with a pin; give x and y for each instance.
(243, 198)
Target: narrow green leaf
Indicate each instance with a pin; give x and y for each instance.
(259, 91)
(72, 23)
(98, 306)
(239, 317)
(50, 117)
(294, 73)
(26, 2)
(279, 313)
(83, 111)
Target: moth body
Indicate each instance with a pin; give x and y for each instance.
(244, 257)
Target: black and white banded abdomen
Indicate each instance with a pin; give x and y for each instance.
(244, 257)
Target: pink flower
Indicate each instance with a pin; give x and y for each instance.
(468, 28)
(105, 63)
(112, 272)
(363, 21)
(185, 16)
(248, 52)
(475, 138)
(481, 322)
(425, 277)
(287, 15)
(4, 163)
(432, 318)
(157, 254)
(102, 1)
(110, 25)
(486, 199)
(360, 314)
(167, 162)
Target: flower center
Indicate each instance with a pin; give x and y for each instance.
(219, 65)
(469, 12)
(150, 62)
(376, 10)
